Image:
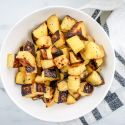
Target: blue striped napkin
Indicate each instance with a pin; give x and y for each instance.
(115, 97)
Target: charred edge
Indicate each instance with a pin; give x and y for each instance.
(62, 96)
(93, 65)
(88, 88)
(29, 68)
(65, 75)
(33, 38)
(21, 48)
(53, 84)
(55, 36)
(40, 87)
(39, 71)
(26, 89)
(16, 64)
(103, 82)
(43, 54)
(56, 52)
(50, 73)
(29, 46)
(37, 97)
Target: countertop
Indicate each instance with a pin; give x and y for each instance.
(10, 12)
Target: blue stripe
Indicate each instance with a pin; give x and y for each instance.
(119, 78)
(96, 114)
(105, 27)
(84, 122)
(95, 14)
(113, 101)
(98, 20)
(120, 58)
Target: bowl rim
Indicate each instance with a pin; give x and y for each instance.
(42, 9)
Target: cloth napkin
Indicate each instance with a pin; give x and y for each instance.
(112, 22)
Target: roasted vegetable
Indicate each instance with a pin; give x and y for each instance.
(99, 69)
(67, 23)
(85, 89)
(60, 96)
(95, 79)
(28, 91)
(84, 75)
(37, 97)
(26, 58)
(44, 42)
(46, 53)
(82, 55)
(43, 54)
(25, 78)
(39, 79)
(64, 69)
(56, 51)
(47, 83)
(73, 83)
(48, 92)
(38, 58)
(30, 69)
(30, 78)
(86, 62)
(95, 64)
(93, 51)
(20, 78)
(47, 76)
(29, 46)
(65, 51)
(75, 46)
(32, 90)
(53, 23)
(89, 69)
(48, 102)
(75, 95)
(74, 58)
(50, 74)
(40, 89)
(53, 84)
(76, 69)
(49, 53)
(62, 85)
(12, 62)
(63, 75)
(61, 65)
(70, 99)
(56, 95)
(61, 61)
(47, 64)
(99, 62)
(92, 64)
(40, 31)
(78, 29)
(58, 39)
(22, 69)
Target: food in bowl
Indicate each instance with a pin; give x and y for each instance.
(61, 65)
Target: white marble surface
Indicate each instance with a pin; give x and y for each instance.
(10, 12)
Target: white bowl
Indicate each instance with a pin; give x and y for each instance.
(20, 33)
